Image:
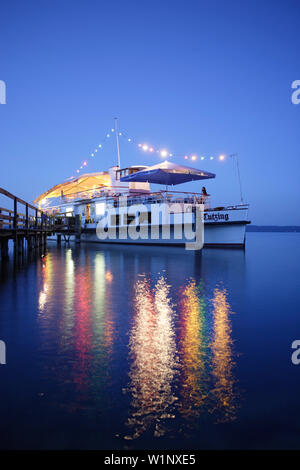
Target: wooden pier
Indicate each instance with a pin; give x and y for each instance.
(28, 226)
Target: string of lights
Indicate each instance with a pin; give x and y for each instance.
(164, 153)
(97, 149)
(145, 148)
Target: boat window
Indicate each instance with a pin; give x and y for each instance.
(100, 208)
(69, 211)
(134, 170)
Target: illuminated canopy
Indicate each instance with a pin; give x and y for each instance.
(72, 187)
(168, 173)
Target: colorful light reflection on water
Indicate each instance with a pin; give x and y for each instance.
(125, 348)
(153, 357)
(179, 353)
(181, 359)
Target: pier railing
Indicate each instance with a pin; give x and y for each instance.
(31, 217)
(28, 225)
(25, 217)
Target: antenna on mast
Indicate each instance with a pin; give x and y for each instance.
(117, 139)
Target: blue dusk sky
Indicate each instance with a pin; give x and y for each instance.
(194, 77)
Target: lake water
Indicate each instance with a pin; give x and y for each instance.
(152, 348)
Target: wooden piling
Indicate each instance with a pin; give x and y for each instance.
(29, 243)
(4, 248)
(20, 245)
(78, 228)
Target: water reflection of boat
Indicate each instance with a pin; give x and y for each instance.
(203, 373)
(79, 330)
(181, 363)
(154, 363)
(193, 350)
(224, 384)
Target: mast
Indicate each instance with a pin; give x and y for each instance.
(117, 140)
(235, 155)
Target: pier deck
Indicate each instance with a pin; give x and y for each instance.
(26, 223)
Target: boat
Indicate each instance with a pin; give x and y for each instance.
(119, 206)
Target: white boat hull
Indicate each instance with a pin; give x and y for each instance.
(230, 234)
(221, 228)
(226, 227)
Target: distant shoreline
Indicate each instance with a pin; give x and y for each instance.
(273, 228)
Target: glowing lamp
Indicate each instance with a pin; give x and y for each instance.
(109, 276)
(163, 153)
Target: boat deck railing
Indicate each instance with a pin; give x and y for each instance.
(116, 197)
(159, 197)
